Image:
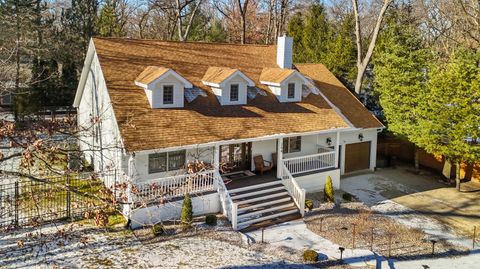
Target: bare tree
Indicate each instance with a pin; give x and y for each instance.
(243, 13)
(364, 60)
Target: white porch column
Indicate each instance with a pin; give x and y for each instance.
(279, 157)
(337, 149)
(216, 157)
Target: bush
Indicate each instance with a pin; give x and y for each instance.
(310, 255)
(309, 204)
(157, 229)
(347, 197)
(211, 220)
(186, 216)
(328, 191)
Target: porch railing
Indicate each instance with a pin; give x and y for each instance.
(174, 186)
(297, 193)
(309, 163)
(229, 209)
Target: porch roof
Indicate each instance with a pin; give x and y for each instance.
(204, 120)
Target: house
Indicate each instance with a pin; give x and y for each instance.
(157, 106)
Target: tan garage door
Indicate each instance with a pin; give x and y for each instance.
(357, 156)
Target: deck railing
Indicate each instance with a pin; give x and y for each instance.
(174, 186)
(229, 209)
(309, 163)
(297, 193)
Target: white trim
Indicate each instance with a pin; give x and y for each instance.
(244, 140)
(85, 70)
(222, 84)
(186, 83)
(294, 73)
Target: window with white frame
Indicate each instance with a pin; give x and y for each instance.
(291, 91)
(168, 94)
(166, 161)
(234, 92)
(292, 144)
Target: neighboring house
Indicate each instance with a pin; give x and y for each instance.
(159, 105)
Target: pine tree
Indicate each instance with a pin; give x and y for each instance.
(449, 111)
(186, 216)
(108, 24)
(328, 190)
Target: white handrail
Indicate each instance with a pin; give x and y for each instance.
(175, 186)
(229, 208)
(298, 194)
(309, 163)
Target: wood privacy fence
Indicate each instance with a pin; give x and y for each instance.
(403, 150)
(24, 202)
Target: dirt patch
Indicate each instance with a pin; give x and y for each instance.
(351, 225)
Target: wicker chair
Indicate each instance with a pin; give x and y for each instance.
(261, 165)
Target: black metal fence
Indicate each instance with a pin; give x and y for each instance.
(24, 202)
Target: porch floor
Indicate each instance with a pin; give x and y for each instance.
(249, 181)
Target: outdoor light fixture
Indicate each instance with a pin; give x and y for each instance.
(329, 141)
(360, 137)
(342, 249)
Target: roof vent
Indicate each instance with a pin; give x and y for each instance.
(284, 51)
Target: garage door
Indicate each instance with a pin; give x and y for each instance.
(357, 156)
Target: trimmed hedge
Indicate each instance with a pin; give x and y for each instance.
(157, 229)
(186, 216)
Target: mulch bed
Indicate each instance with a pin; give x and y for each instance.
(390, 238)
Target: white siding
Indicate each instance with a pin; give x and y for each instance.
(352, 137)
(157, 93)
(285, 52)
(316, 182)
(223, 93)
(282, 92)
(99, 139)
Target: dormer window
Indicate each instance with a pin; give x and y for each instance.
(168, 94)
(234, 92)
(285, 84)
(163, 87)
(228, 84)
(291, 91)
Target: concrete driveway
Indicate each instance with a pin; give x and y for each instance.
(424, 193)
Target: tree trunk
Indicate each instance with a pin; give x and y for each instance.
(457, 175)
(416, 157)
(243, 14)
(362, 62)
(242, 24)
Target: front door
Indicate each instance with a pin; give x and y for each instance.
(235, 157)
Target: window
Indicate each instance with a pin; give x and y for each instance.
(292, 144)
(168, 94)
(234, 92)
(166, 161)
(291, 91)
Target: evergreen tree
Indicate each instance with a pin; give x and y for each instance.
(328, 190)
(108, 24)
(216, 32)
(449, 123)
(186, 216)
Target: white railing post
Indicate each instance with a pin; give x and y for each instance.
(234, 216)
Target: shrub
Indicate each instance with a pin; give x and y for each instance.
(211, 220)
(347, 197)
(186, 216)
(328, 191)
(309, 204)
(310, 255)
(157, 229)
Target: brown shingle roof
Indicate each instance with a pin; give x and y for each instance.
(340, 96)
(203, 120)
(151, 73)
(275, 75)
(218, 74)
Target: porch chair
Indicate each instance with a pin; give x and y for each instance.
(274, 159)
(262, 165)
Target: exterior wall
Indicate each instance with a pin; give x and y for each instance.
(352, 137)
(316, 182)
(264, 148)
(141, 163)
(202, 205)
(99, 139)
(156, 99)
(281, 92)
(223, 93)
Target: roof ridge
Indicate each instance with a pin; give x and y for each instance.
(181, 42)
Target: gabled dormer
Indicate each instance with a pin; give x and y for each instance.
(228, 84)
(163, 86)
(285, 84)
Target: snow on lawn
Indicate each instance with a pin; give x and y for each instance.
(296, 235)
(91, 247)
(368, 187)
